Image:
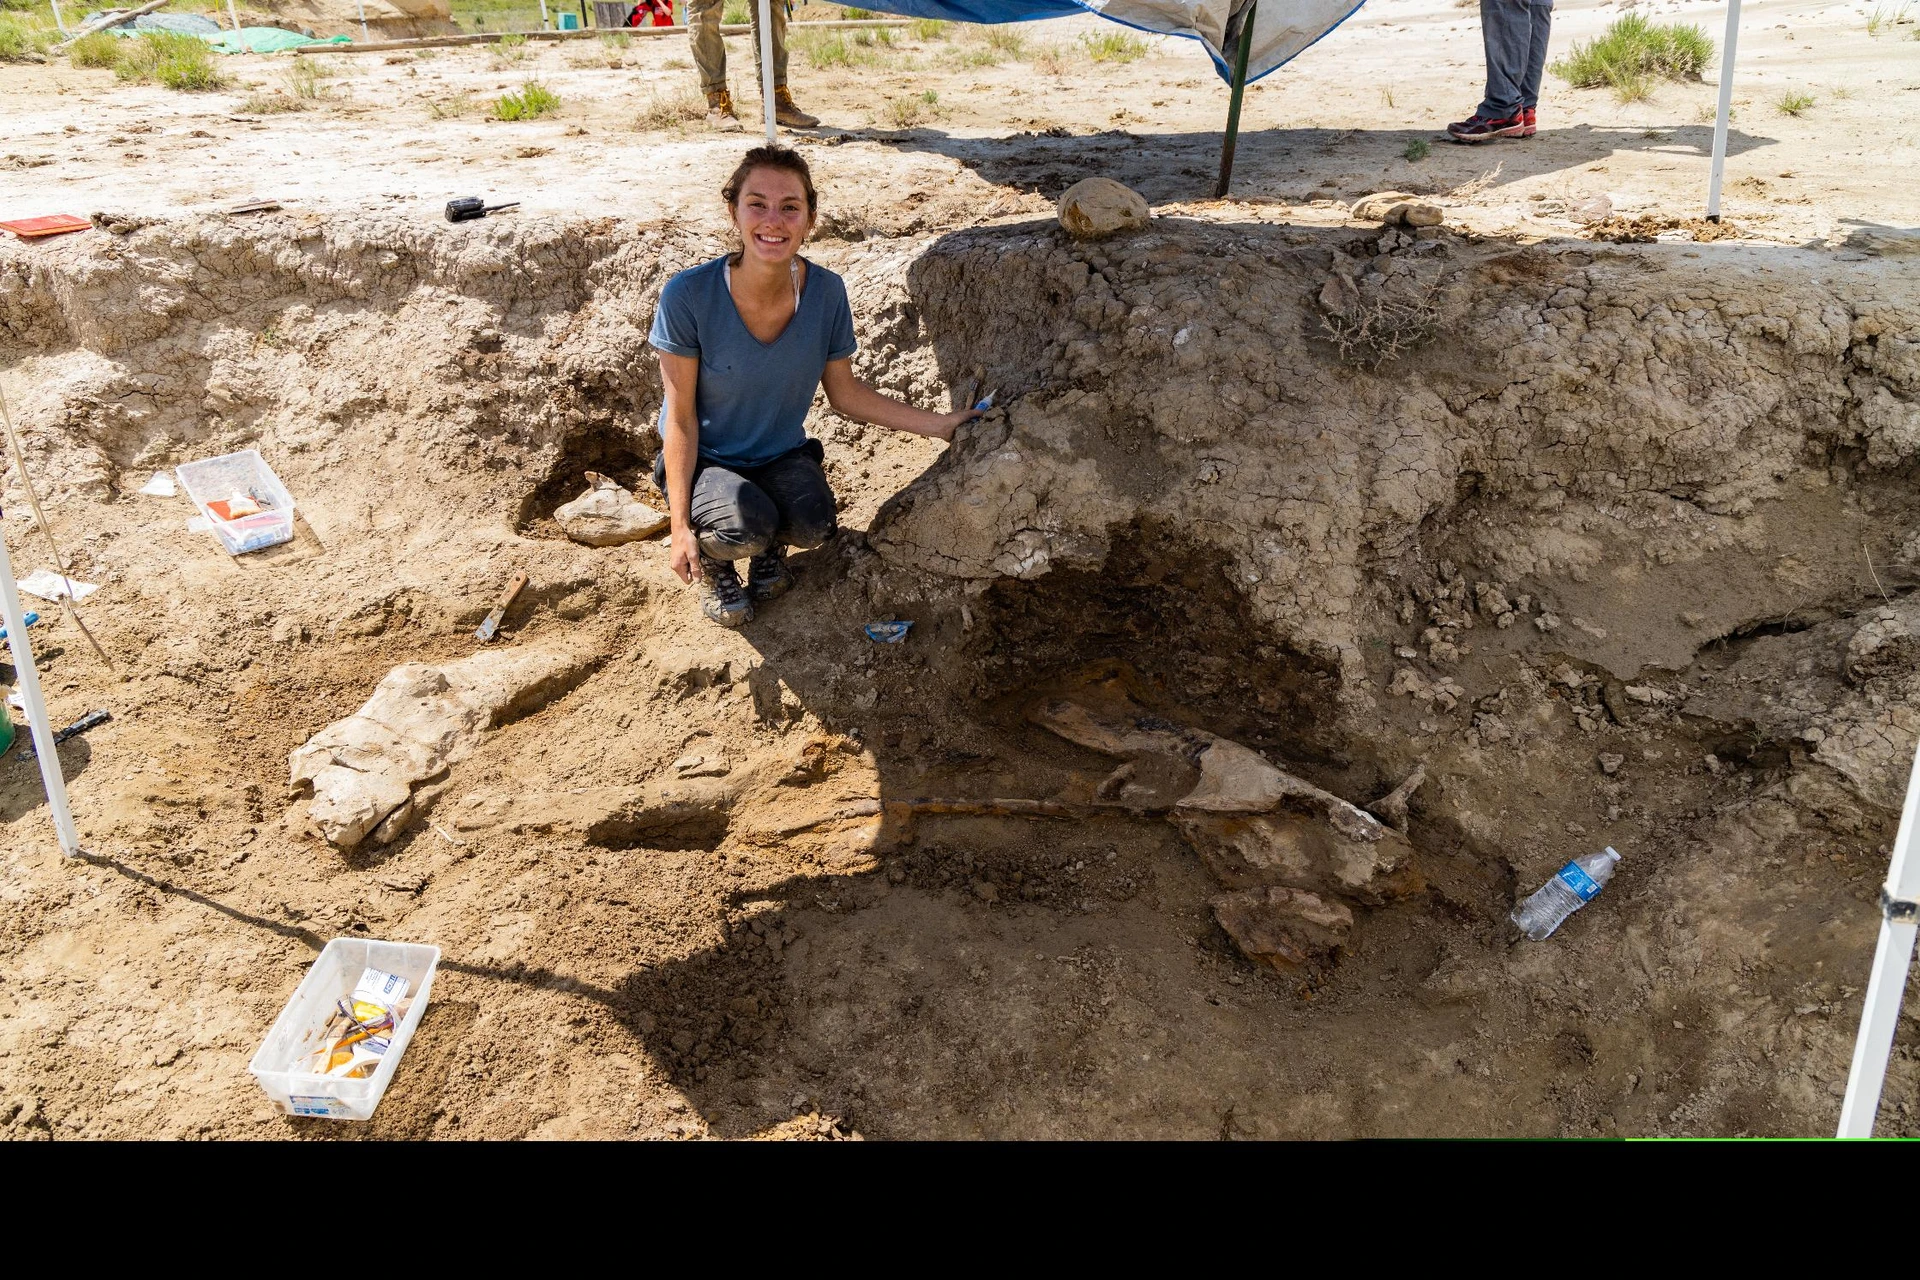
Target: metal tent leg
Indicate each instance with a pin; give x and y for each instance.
(1233, 106)
(1725, 110)
(766, 67)
(1880, 1013)
(42, 728)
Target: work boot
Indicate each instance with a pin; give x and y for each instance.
(786, 113)
(721, 597)
(720, 116)
(768, 577)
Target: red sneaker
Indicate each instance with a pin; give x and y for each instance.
(1479, 128)
(1533, 122)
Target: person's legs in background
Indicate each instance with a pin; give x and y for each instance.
(710, 59)
(1506, 32)
(1541, 28)
(785, 111)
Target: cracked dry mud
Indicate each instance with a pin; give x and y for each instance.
(1617, 545)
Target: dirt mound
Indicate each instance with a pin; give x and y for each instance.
(1615, 544)
(1646, 228)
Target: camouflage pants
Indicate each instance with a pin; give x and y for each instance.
(710, 51)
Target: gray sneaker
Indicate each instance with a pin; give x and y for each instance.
(768, 577)
(721, 597)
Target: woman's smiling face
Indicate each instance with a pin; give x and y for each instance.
(772, 215)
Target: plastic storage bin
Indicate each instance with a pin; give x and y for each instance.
(217, 479)
(297, 1031)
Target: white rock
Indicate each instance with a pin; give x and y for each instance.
(1094, 208)
(607, 515)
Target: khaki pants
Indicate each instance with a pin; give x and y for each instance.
(710, 51)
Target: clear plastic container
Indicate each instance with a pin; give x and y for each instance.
(217, 479)
(297, 1031)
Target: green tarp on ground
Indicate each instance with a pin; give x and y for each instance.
(267, 40)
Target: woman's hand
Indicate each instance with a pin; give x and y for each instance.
(950, 422)
(851, 398)
(685, 554)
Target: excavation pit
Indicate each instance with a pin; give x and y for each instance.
(1618, 553)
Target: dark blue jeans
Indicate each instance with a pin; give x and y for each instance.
(1515, 35)
(739, 512)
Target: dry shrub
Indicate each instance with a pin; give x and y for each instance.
(1379, 321)
(670, 109)
(1050, 60)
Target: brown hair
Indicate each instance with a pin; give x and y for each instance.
(772, 157)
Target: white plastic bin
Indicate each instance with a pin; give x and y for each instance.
(246, 472)
(297, 1031)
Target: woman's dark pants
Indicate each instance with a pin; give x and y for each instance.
(739, 512)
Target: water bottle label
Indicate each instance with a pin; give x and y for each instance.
(1579, 881)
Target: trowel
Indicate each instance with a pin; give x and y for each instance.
(491, 627)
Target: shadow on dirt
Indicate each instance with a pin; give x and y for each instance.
(1298, 164)
(21, 791)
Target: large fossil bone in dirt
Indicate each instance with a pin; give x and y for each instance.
(1285, 928)
(607, 515)
(362, 770)
(1286, 849)
(1253, 824)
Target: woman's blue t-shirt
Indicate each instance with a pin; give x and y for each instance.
(753, 396)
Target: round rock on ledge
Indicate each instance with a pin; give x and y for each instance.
(1095, 208)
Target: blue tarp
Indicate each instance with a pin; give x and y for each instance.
(1281, 28)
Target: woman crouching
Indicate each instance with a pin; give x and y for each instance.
(743, 342)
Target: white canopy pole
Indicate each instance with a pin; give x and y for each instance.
(1900, 916)
(58, 21)
(29, 677)
(1726, 110)
(766, 66)
(233, 17)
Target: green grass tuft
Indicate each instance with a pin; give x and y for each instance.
(1006, 41)
(1417, 149)
(1793, 102)
(736, 12)
(927, 29)
(1632, 88)
(869, 48)
(856, 15)
(1634, 49)
(1114, 46)
(177, 61)
(304, 76)
(1885, 17)
(99, 50)
(24, 38)
(530, 101)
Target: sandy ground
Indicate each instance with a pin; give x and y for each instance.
(987, 979)
(406, 132)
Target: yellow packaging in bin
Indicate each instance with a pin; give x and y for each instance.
(301, 1029)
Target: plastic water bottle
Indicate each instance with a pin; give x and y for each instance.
(1572, 888)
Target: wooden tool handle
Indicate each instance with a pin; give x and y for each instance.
(513, 590)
